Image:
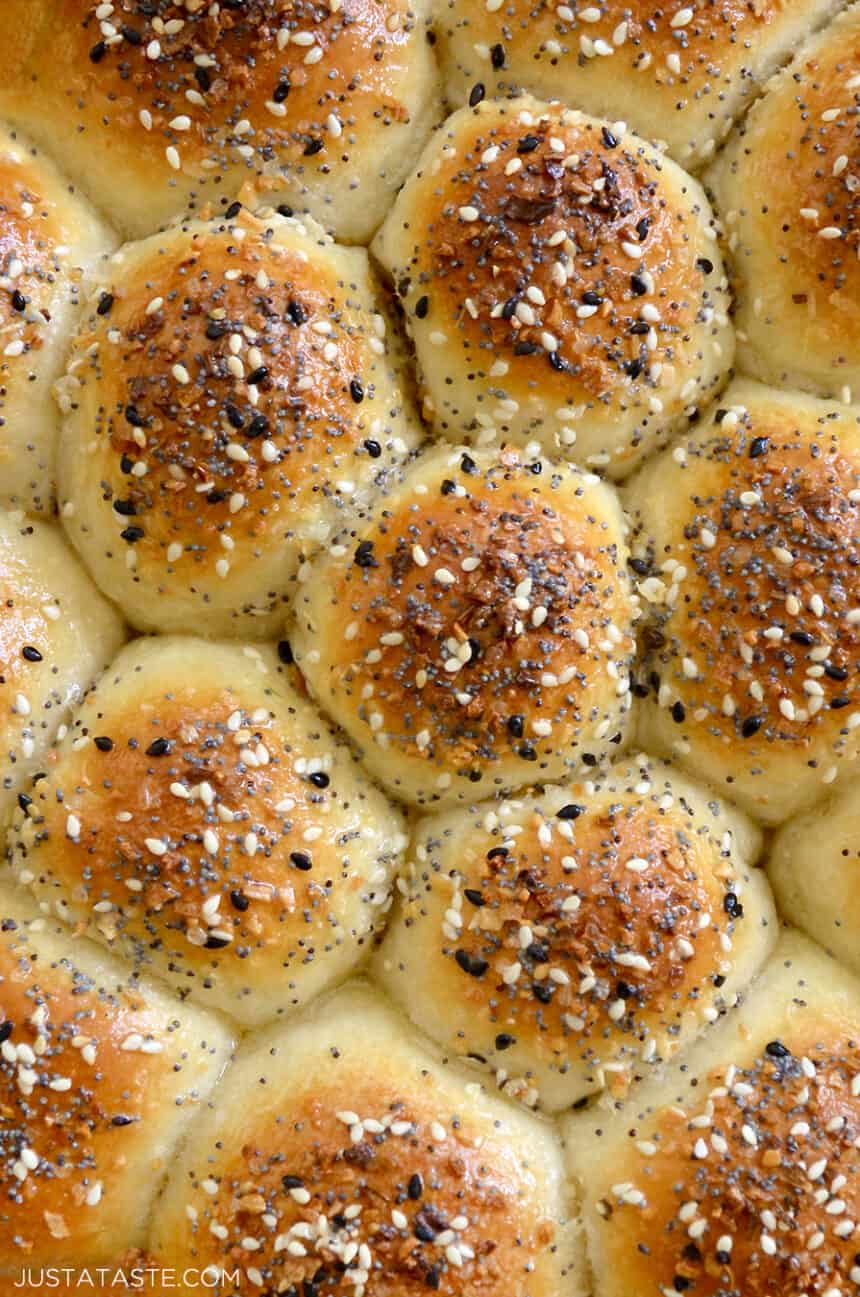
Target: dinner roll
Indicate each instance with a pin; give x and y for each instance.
(787, 191)
(49, 236)
(574, 937)
(202, 819)
(56, 634)
(748, 544)
(233, 389)
(156, 107)
(737, 1172)
(561, 282)
(99, 1077)
(812, 866)
(678, 72)
(342, 1155)
(474, 632)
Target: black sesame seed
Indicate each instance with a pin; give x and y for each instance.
(732, 906)
(542, 991)
(292, 1182)
(415, 1188)
(590, 298)
(132, 416)
(319, 779)
(476, 95)
(105, 303)
(239, 900)
(363, 556)
(280, 92)
(802, 637)
(98, 52)
(203, 79)
(474, 897)
(422, 306)
(468, 465)
(235, 417)
(516, 725)
(126, 508)
(356, 391)
(103, 743)
(504, 1040)
(497, 56)
(705, 265)
(160, 747)
(19, 301)
(448, 486)
(259, 426)
(373, 448)
(678, 712)
(132, 35)
(776, 1049)
(638, 286)
(284, 209)
(608, 138)
(285, 652)
(301, 860)
(24, 801)
(216, 329)
(132, 534)
(312, 147)
(528, 144)
(474, 965)
(835, 672)
(121, 1120)
(751, 726)
(571, 811)
(296, 312)
(758, 446)
(257, 376)
(31, 654)
(216, 943)
(6, 1029)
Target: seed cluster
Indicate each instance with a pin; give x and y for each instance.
(230, 394)
(755, 627)
(758, 1184)
(577, 930)
(796, 246)
(682, 71)
(217, 834)
(562, 273)
(386, 1199)
(186, 100)
(486, 626)
(89, 1072)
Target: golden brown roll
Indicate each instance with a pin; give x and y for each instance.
(812, 865)
(561, 282)
(343, 1155)
(577, 937)
(739, 1171)
(159, 107)
(234, 389)
(56, 635)
(200, 818)
(474, 632)
(49, 237)
(677, 72)
(99, 1077)
(787, 191)
(747, 546)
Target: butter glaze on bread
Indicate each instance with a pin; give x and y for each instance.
(160, 107)
(200, 818)
(561, 281)
(577, 938)
(232, 391)
(474, 633)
